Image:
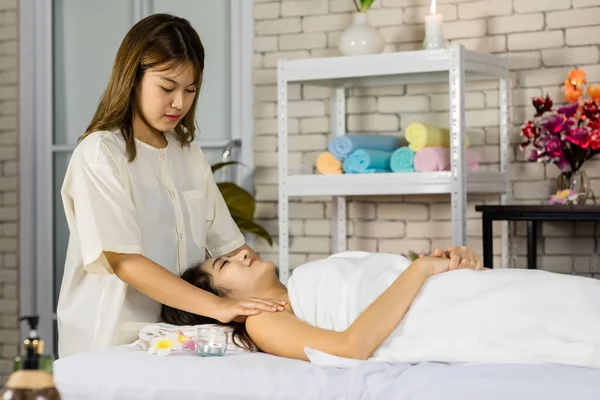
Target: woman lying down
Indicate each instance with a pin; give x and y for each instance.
(383, 307)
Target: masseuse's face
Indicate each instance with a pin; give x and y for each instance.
(165, 97)
(242, 275)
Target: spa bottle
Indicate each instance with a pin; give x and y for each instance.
(28, 380)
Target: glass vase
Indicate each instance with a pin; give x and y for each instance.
(577, 181)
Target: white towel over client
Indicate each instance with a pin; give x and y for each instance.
(501, 315)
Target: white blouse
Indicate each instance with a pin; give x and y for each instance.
(164, 205)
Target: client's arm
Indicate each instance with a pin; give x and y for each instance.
(283, 334)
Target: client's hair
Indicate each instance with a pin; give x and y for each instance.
(203, 280)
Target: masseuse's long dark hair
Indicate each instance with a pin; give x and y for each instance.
(203, 280)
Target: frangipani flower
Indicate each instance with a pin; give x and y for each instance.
(163, 345)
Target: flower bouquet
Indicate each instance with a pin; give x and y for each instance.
(566, 136)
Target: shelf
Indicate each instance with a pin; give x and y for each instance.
(420, 66)
(394, 183)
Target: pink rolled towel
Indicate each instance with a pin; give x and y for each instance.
(430, 159)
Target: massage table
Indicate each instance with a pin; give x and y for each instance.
(126, 374)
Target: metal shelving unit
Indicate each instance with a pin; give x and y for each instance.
(453, 65)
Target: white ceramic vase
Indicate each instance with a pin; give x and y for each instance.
(361, 38)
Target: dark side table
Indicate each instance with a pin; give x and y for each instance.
(532, 214)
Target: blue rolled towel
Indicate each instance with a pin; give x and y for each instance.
(363, 161)
(403, 160)
(342, 146)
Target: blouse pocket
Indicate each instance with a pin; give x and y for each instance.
(196, 205)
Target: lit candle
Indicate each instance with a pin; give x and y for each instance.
(434, 36)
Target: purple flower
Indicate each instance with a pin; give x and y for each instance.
(568, 110)
(562, 163)
(554, 123)
(578, 135)
(533, 156)
(554, 147)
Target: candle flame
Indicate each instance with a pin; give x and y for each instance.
(433, 7)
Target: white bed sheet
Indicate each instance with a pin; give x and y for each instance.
(120, 373)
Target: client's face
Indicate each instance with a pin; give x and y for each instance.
(241, 275)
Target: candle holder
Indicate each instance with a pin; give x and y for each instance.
(211, 341)
(434, 35)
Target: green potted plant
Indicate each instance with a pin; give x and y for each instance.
(241, 205)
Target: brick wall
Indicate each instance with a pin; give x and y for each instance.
(9, 170)
(544, 40)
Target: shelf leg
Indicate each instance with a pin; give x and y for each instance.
(282, 144)
(457, 146)
(338, 225)
(505, 197)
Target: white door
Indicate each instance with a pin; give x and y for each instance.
(78, 40)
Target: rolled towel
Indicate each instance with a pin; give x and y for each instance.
(402, 160)
(420, 136)
(328, 165)
(342, 146)
(438, 159)
(363, 161)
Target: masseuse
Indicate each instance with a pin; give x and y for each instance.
(140, 198)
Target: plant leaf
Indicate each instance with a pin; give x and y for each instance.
(365, 4)
(240, 202)
(218, 166)
(253, 228)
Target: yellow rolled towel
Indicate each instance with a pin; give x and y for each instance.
(327, 164)
(420, 136)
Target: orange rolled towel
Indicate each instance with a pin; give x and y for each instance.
(327, 164)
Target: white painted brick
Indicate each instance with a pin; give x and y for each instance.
(515, 23)
(392, 90)
(265, 176)
(314, 125)
(265, 110)
(8, 183)
(8, 62)
(303, 41)
(403, 212)
(9, 107)
(484, 9)
(269, 92)
(11, 47)
(404, 3)
(535, 40)
(525, 6)
(265, 43)
(441, 212)
(307, 142)
(265, 76)
(524, 60)
(573, 18)
(560, 229)
(403, 246)
(361, 105)
(276, 27)
(341, 6)
(310, 244)
(487, 44)
(361, 210)
(439, 118)
(306, 108)
(9, 32)
(10, 198)
(325, 23)
(310, 92)
(558, 264)
(441, 102)
(9, 244)
(295, 226)
(9, 77)
(256, 61)
(317, 228)
(403, 104)
(379, 229)
(403, 33)
(570, 56)
(264, 192)
(8, 92)
(543, 77)
(582, 36)
(526, 171)
(10, 18)
(584, 3)
(270, 127)
(481, 118)
(428, 229)
(265, 143)
(307, 210)
(465, 29)
(362, 244)
(267, 10)
(373, 123)
(293, 8)
(532, 190)
(11, 168)
(416, 15)
(8, 4)
(385, 17)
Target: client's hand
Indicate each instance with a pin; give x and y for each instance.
(460, 257)
(237, 310)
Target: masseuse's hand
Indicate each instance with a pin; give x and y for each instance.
(460, 258)
(238, 310)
